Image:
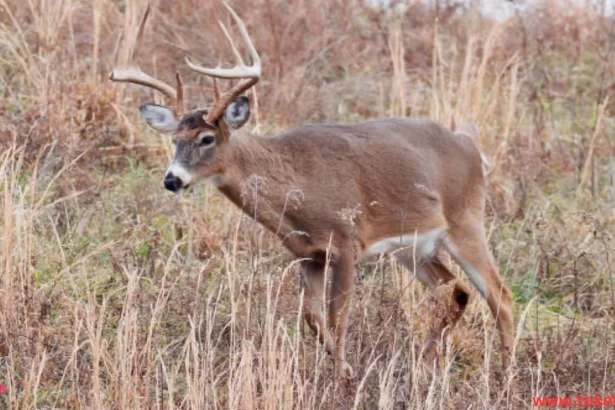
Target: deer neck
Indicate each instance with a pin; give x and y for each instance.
(256, 178)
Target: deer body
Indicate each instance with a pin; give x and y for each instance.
(376, 180)
(336, 193)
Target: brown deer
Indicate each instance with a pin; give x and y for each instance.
(336, 193)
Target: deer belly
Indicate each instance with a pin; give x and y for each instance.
(423, 245)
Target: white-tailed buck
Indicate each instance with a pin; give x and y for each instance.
(335, 193)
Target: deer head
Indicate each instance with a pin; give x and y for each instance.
(201, 136)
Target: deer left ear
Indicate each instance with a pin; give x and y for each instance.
(238, 112)
(158, 117)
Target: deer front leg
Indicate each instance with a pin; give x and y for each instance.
(342, 291)
(313, 282)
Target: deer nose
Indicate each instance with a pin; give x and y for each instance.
(172, 182)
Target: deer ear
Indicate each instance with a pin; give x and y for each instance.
(159, 117)
(238, 112)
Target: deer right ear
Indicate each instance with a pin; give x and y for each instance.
(159, 117)
(238, 112)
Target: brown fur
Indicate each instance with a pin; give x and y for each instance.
(333, 189)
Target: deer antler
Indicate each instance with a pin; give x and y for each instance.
(133, 74)
(249, 74)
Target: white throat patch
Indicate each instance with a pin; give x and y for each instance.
(216, 180)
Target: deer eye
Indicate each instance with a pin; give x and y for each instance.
(205, 139)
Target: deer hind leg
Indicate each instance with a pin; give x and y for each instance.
(467, 244)
(433, 273)
(313, 282)
(342, 290)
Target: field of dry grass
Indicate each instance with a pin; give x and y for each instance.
(115, 294)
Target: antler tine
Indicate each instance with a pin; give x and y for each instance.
(232, 43)
(140, 31)
(180, 94)
(256, 60)
(136, 76)
(250, 75)
(240, 70)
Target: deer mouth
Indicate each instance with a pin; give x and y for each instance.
(181, 190)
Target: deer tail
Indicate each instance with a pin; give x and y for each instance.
(471, 130)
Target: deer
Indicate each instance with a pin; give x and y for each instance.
(337, 194)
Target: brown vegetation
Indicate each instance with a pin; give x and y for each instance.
(114, 294)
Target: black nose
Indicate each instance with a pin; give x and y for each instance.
(172, 183)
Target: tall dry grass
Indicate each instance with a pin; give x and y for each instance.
(115, 295)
